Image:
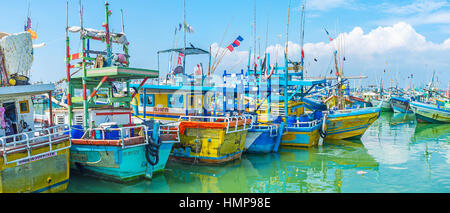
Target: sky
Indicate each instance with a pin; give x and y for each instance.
(388, 40)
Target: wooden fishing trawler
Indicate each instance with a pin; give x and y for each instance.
(384, 103)
(431, 113)
(106, 143)
(379, 98)
(278, 101)
(32, 159)
(400, 105)
(344, 121)
(431, 106)
(283, 117)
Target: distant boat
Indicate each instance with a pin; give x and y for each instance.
(385, 104)
(431, 113)
(400, 105)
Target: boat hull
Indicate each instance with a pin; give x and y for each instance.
(110, 162)
(385, 105)
(301, 136)
(350, 123)
(44, 174)
(208, 145)
(427, 113)
(400, 105)
(260, 141)
(164, 152)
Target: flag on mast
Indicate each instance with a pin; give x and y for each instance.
(235, 43)
(329, 37)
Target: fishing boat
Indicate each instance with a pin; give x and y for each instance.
(431, 113)
(106, 143)
(400, 105)
(431, 106)
(33, 159)
(345, 121)
(384, 103)
(285, 89)
(351, 123)
(212, 126)
(264, 136)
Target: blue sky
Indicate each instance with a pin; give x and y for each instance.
(402, 37)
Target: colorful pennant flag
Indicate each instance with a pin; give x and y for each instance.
(328, 35)
(188, 28)
(180, 55)
(28, 26)
(230, 47)
(33, 34)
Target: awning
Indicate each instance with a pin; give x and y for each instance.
(189, 51)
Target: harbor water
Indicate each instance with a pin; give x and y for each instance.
(395, 155)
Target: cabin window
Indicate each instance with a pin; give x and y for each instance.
(175, 100)
(150, 100)
(191, 101)
(23, 107)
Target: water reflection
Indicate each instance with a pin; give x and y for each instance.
(321, 169)
(85, 184)
(401, 118)
(431, 132)
(396, 154)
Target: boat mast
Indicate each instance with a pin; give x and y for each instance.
(69, 84)
(184, 37)
(286, 96)
(83, 52)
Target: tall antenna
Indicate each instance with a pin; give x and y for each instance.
(254, 30)
(184, 35)
(121, 15)
(287, 31)
(267, 34)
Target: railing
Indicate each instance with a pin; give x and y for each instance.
(125, 132)
(273, 129)
(228, 120)
(304, 124)
(170, 129)
(27, 141)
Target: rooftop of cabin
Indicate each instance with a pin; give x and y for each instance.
(24, 90)
(116, 73)
(187, 51)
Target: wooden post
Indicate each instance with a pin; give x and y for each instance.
(50, 108)
(69, 84)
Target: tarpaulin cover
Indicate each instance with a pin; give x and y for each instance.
(116, 37)
(18, 52)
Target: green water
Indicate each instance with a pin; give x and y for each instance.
(395, 155)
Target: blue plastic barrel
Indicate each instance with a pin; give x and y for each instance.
(291, 120)
(112, 134)
(76, 132)
(303, 118)
(318, 115)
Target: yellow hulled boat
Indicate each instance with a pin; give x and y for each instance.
(211, 140)
(352, 123)
(33, 160)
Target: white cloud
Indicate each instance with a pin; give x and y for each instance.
(399, 45)
(419, 6)
(420, 12)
